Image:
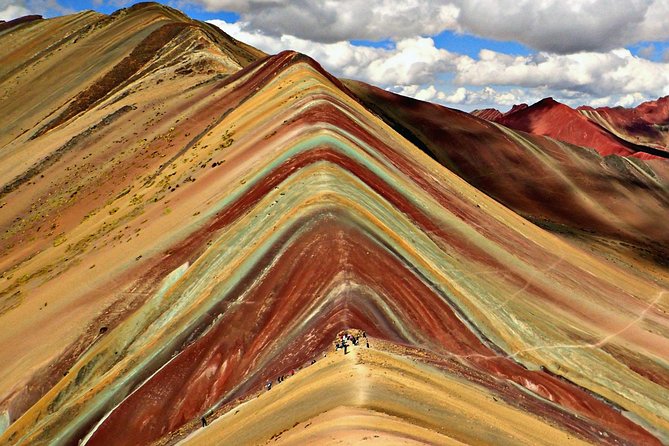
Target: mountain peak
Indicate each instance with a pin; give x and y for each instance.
(549, 102)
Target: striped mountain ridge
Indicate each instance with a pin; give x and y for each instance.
(194, 233)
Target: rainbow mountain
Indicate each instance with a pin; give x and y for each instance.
(186, 219)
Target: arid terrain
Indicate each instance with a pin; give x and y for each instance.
(185, 218)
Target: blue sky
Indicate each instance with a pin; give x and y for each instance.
(463, 53)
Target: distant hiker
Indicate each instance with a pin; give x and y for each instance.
(204, 421)
(268, 385)
(313, 361)
(367, 344)
(344, 345)
(364, 334)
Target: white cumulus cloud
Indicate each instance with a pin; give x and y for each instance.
(468, 97)
(414, 67)
(332, 20)
(558, 26)
(598, 74)
(12, 10)
(410, 61)
(567, 26)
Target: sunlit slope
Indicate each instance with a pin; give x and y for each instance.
(376, 397)
(551, 118)
(640, 132)
(53, 70)
(223, 229)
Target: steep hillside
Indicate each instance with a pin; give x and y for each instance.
(614, 198)
(344, 399)
(183, 229)
(65, 66)
(489, 114)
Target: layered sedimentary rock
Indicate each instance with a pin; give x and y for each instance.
(176, 236)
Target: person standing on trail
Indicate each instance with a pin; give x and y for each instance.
(204, 421)
(268, 385)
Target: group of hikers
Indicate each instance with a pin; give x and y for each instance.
(348, 337)
(341, 342)
(282, 378)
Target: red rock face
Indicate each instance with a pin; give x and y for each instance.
(610, 131)
(550, 118)
(239, 356)
(654, 112)
(646, 113)
(516, 108)
(645, 124)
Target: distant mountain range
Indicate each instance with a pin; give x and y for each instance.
(641, 132)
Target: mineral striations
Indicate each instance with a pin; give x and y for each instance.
(186, 219)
